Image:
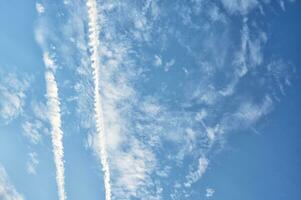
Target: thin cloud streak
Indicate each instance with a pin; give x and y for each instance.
(53, 104)
(7, 190)
(94, 48)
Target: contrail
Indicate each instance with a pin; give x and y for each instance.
(94, 48)
(53, 104)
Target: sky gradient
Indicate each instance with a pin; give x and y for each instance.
(150, 100)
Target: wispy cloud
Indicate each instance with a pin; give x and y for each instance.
(209, 192)
(134, 124)
(40, 8)
(131, 160)
(32, 163)
(238, 6)
(252, 112)
(7, 190)
(94, 48)
(158, 61)
(194, 176)
(13, 90)
(31, 130)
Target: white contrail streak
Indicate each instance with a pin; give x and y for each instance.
(94, 48)
(53, 104)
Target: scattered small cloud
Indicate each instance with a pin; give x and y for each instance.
(194, 176)
(251, 112)
(40, 111)
(169, 64)
(32, 163)
(40, 8)
(238, 6)
(210, 192)
(32, 130)
(13, 90)
(201, 115)
(158, 61)
(216, 15)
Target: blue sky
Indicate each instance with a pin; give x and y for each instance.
(150, 100)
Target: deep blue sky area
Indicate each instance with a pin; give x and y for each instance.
(266, 164)
(262, 165)
(150, 100)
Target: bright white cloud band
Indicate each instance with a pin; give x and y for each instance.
(94, 49)
(55, 121)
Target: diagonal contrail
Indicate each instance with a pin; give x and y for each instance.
(94, 48)
(53, 104)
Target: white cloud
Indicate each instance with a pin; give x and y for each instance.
(194, 176)
(134, 167)
(255, 49)
(35, 123)
(164, 172)
(32, 131)
(252, 112)
(40, 8)
(240, 6)
(241, 56)
(211, 134)
(190, 137)
(131, 161)
(210, 192)
(247, 57)
(54, 111)
(95, 62)
(13, 94)
(49, 62)
(208, 96)
(158, 60)
(7, 190)
(43, 34)
(140, 23)
(132, 145)
(32, 163)
(216, 15)
(40, 111)
(155, 10)
(201, 115)
(169, 64)
(151, 107)
(281, 74)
